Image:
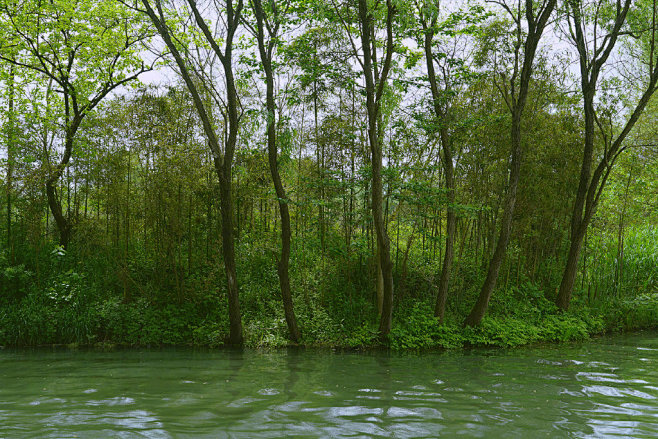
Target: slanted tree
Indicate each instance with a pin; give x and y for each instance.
(529, 20)
(444, 89)
(595, 41)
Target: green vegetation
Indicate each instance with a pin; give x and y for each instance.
(449, 187)
(77, 305)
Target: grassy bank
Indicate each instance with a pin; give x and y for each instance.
(58, 297)
(518, 319)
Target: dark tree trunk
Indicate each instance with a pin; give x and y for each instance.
(451, 226)
(284, 213)
(62, 221)
(441, 111)
(375, 83)
(444, 281)
(516, 102)
(570, 270)
(591, 184)
(228, 254)
(226, 199)
(223, 162)
(480, 308)
(10, 159)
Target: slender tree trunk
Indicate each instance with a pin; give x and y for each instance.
(128, 200)
(405, 259)
(61, 221)
(480, 307)
(284, 262)
(320, 169)
(451, 225)
(620, 235)
(591, 184)
(374, 88)
(379, 285)
(570, 270)
(441, 107)
(578, 226)
(68, 192)
(226, 196)
(86, 193)
(444, 282)
(228, 254)
(223, 162)
(10, 159)
(516, 101)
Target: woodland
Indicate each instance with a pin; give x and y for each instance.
(346, 173)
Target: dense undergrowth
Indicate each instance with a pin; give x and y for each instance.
(84, 301)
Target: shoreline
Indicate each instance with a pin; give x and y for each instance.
(320, 347)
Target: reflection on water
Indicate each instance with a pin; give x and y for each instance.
(603, 388)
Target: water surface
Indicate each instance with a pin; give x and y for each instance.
(603, 388)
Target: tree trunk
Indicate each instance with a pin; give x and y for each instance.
(10, 159)
(620, 236)
(441, 113)
(374, 89)
(228, 254)
(379, 285)
(226, 199)
(223, 162)
(61, 221)
(451, 226)
(571, 268)
(284, 262)
(591, 184)
(482, 303)
(516, 102)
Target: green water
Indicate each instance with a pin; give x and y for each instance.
(606, 387)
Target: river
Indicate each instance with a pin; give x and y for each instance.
(601, 388)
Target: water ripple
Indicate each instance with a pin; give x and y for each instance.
(602, 388)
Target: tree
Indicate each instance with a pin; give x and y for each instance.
(515, 92)
(269, 21)
(87, 48)
(376, 79)
(223, 154)
(9, 131)
(595, 41)
(444, 90)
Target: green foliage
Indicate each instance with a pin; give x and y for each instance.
(528, 324)
(140, 189)
(563, 328)
(14, 280)
(419, 329)
(316, 324)
(68, 308)
(364, 336)
(622, 272)
(502, 332)
(266, 332)
(640, 312)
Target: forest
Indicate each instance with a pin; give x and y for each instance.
(344, 173)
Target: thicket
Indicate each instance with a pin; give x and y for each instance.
(73, 300)
(122, 202)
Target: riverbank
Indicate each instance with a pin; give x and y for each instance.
(515, 320)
